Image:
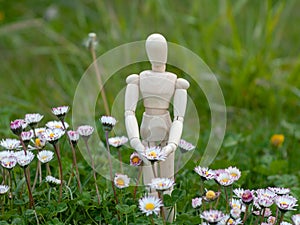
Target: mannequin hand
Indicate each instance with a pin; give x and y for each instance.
(137, 145)
(170, 148)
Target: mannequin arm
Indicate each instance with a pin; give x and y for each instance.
(131, 99)
(180, 101)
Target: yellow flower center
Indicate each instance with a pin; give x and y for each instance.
(230, 221)
(233, 174)
(210, 195)
(283, 203)
(44, 157)
(225, 180)
(161, 184)
(38, 142)
(120, 182)
(57, 126)
(234, 206)
(51, 135)
(135, 159)
(149, 206)
(153, 154)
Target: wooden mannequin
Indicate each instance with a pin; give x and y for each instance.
(157, 88)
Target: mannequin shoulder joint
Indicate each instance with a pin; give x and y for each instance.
(133, 79)
(182, 84)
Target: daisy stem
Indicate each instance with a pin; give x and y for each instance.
(153, 169)
(103, 95)
(48, 169)
(277, 212)
(49, 194)
(94, 171)
(263, 215)
(23, 145)
(137, 182)
(31, 200)
(37, 173)
(10, 190)
(245, 215)
(110, 169)
(74, 157)
(120, 160)
(57, 151)
(75, 164)
(160, 196)
(226, 195)
(281, 218)
(151, 219)
(218, 199)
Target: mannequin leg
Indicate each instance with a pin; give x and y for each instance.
(167, 171)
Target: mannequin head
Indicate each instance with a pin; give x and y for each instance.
(157, 51)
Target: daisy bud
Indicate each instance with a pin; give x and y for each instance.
(108, 122)
(247, 197)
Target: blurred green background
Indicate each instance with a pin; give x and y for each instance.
(251, 45)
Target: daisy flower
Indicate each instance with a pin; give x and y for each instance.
(45, 156)
(24, 160)
(32, 119)
(185, 146)
(135, 159)
(286, 202)
(224, 179)
(40, 131)
(161, 184)
(3, 189)
(196, 202)
(57, 125)
(121, 181)
(10, 144)
(27, 136)
(60, 111)
(271, 220)
(229, 221)
(154, 154)
(9, 161)
(17, 126)
(234, 173)
(212, 216)
(108, 122)
(211, 195)
(40, 142)
(235, 212)
(247, 197)
(91, 41)
(117, 141)
(238, 192)
(150, 205)
(236, 203)
(280, 190)
(285, 223)
(268, 212)
(52, 180)
(53, 135)
(296, 219)
(85, 131)
(205, 173)
(4, 154)
(74, 136)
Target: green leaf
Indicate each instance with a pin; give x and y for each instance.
(61, 207)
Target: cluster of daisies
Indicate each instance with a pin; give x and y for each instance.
(246, 205)
(33, 141)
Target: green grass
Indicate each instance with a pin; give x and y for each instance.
(251, 46)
